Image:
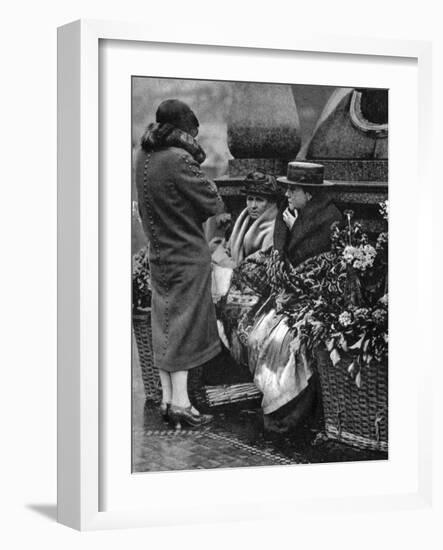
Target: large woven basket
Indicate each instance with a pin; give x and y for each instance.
(354, 415)
(141, 323)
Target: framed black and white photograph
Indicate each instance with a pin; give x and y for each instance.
(260, 274)
(232, 322)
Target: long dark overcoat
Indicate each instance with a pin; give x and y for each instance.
(175, 198)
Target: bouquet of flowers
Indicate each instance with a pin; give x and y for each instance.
(141, 281)
(339, 299)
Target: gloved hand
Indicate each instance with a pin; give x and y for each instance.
(223, 220)
(289, 217)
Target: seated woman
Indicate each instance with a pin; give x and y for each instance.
(262, 335)
(254, 227)
(253, 230)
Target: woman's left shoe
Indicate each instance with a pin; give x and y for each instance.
(188, 416)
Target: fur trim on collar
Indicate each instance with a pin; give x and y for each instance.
(158, 136)
(311, 233)
(249, 236)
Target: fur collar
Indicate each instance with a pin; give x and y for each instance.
(250, 235)
(310, 233)
(157, 136)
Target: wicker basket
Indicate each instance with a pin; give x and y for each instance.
(141, 322)
(353, 415)
(228, 394)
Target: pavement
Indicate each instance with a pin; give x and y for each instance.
(235, 439)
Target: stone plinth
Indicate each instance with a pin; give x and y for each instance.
(241, 167)
(355, 170)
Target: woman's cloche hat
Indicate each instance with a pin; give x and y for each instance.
(305, 174)
(176, 112)
(259, 183)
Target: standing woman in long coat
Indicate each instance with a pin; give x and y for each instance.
(175, 198)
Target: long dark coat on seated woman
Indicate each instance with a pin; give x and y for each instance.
(175, 198)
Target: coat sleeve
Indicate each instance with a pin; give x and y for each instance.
(193, 184)
(281, 232)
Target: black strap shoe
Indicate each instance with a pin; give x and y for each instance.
(187, 416)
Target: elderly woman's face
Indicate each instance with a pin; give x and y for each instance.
(256, 205)
(297, 197)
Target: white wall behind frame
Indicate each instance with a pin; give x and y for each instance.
(28, 44)
(119, 60)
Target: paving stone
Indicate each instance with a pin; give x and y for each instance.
(235, 439)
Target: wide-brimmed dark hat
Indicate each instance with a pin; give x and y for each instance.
(305, 174)
(259, 183)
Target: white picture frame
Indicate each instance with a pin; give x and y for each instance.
(80, 368)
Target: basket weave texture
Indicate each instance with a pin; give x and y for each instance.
(354, 415)
(141, 323)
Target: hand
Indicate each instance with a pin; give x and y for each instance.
(223, 220)
(289, 218)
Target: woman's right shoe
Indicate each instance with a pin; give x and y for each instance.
(186, 416)
(164, 410)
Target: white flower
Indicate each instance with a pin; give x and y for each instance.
(379, 315)
(384, 300)
(360, 257)
(369, 254)
(349, 254)
(384, 209)
(361, 312)
(345, 318)
(369, 251)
